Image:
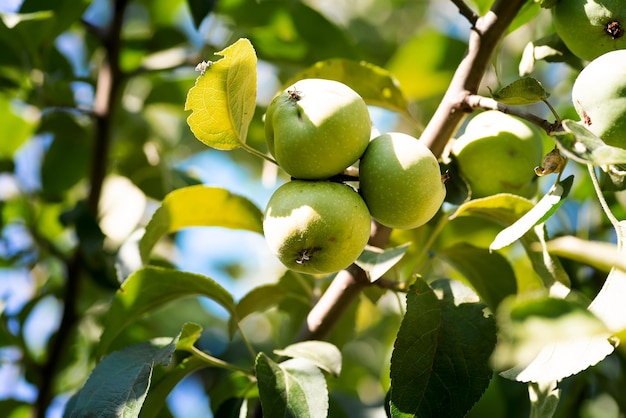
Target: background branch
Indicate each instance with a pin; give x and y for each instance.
(109, 80)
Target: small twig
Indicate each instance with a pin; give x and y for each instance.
(475, 101)
(466, 11)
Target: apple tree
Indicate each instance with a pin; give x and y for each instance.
(312, 209)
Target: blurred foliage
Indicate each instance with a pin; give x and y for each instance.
(94, 138)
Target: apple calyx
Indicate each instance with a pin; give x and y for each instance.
(294, 95)
(614, 29)
(306, 255)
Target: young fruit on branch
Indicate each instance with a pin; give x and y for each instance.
(590, 28)
(599, 96)
(316, 128)
(498, 153)
(316, 226)
(400, 180)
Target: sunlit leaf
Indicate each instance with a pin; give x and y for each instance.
(15, 129)
(548, 204)
(490, 274)
(150, 288)
(600, 255)
(118, 385)
(295, 388)
(440, 361)
(609, 304)
(224, 97)
(376, 85)
(200, 206)
(376, 262)
(542, 339)
(324, 355)
(523, 91)
(581, 145)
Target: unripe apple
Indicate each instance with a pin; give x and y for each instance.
(498, 153)
(316, 226)
(590, 28)
(400, 181)
(317, 128)
(599, 96)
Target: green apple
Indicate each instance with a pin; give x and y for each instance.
(590, 28)
(599, 96)
(317, 128)
(498, 153)
(400, 181)
(316, 226)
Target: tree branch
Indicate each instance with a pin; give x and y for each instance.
(109, 81)
(484, 37)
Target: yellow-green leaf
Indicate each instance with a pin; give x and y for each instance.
(200, 206)
(224, 97)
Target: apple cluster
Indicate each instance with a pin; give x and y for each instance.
(316, 129)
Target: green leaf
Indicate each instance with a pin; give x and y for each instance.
(490, 274)
(376, 85)
(200, 9)
(294, 388)
(581, 145)
(67, 160)
(608, 304)
(25, 31)
(324, 355)
(200, 206)
(440, 361)
(506, 209)
(15, 128)
(548, 204)
(189, 334)
(224, 98)
(148, 289)
(523, 91)
(118, 385)
(543, 339)
(163, 385)
(257, 300)
(376, 262)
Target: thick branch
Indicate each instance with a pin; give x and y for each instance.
(484, 37)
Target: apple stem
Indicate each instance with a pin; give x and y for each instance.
(258, 153)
